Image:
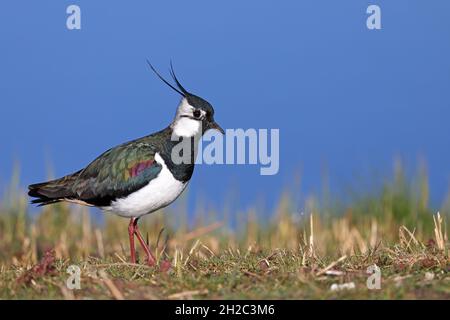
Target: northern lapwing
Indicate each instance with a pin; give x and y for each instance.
(140, 176)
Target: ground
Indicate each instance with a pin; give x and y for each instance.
(279, 274)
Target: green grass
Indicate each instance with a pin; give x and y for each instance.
(286, 256)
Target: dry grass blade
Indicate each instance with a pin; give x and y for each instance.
(191, 251)
(100, 245)
(438, 234)
(111, 286)
(123, 264)
(311, 236)
(331, 265)
(120, 258)
(412, 238)
(209, 250)
(251, 274)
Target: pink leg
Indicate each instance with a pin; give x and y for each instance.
(131, 232)
(151, 260)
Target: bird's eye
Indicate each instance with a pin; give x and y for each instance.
(197, 113)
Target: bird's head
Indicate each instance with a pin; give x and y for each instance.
(194, 114)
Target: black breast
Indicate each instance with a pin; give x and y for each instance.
(183, 171)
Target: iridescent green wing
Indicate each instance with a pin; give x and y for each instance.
(117, 173)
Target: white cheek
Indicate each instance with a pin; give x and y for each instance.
(186, 127)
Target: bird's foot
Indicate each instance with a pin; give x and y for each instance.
(165, 266)
(151, 262)
(133, 231)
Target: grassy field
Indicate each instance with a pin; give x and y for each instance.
(286, 256)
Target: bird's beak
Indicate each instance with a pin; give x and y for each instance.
(214, 125)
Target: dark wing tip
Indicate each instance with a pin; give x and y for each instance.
(35, 191)
(40, 199)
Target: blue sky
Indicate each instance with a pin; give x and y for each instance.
(347, 100)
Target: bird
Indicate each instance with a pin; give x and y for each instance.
(141, 176)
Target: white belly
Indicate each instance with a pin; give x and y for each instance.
(158, 193)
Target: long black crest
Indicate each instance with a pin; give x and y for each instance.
(174, 77)
(181, 90)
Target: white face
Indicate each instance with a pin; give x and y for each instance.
(188, 120)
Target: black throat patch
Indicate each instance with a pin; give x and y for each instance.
(181, 171)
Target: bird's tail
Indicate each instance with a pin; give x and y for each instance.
(52, 191)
